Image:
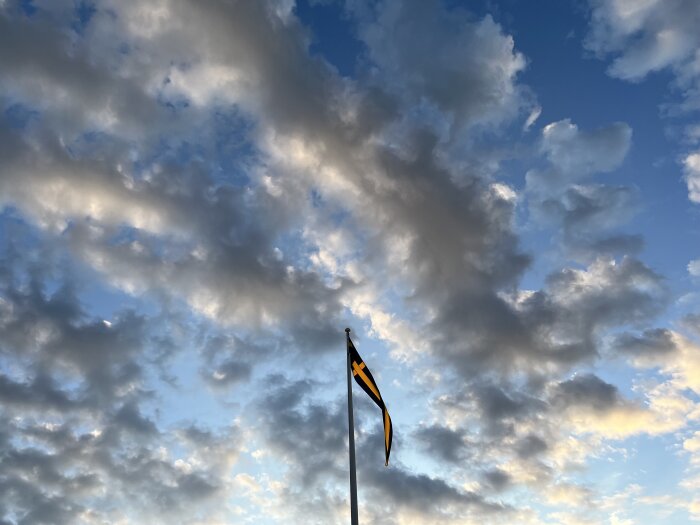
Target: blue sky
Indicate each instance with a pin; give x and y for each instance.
(500, 199)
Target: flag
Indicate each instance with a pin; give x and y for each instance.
(364, 378)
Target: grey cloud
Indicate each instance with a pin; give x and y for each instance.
(653, 343)
(587, 390)
(111, 474)
(427, 494)
(312, 439)
(497, 404)
(42, 391)
(588, 226)
(443, 443)
(312, 436)
(240, 261)
(559, 325)
(229, 372)
(76, 436)
(462, 249)
(229, 359)
(531, 445)
(691, 323)
(425, 52)
(633, 293)
(129, 417)
(497, 479)
(42, 66)
(616, 245)
(585, 213)
(590, 209)
(54, 332)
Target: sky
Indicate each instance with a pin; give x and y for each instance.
(501, 199)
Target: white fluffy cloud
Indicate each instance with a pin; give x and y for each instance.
(691, 166)
(648, 36)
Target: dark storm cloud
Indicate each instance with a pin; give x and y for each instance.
(427, 494)
(129, 417)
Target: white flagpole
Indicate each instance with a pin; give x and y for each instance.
(351, 439)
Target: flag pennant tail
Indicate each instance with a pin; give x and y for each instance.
(388, 435)
(363, 377)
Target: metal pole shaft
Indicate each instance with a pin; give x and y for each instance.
(351, 439)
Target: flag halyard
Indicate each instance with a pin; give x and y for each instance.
(363, 377)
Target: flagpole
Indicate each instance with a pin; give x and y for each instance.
(351, 439)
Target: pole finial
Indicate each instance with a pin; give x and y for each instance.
(347, 330)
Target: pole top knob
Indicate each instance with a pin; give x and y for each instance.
(347, 330)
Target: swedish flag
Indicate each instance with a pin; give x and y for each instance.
(364, 378)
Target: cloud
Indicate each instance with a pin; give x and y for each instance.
(443, 443)
(691, 323)
(580, 153)
(574, 155)
(332, 199)
(532, 118)
(691, 165)
(139, 197)
(670, 351)
(586, 213)
(555, 327)
(650, 36)
(653, 345)
(80, 443)
(62, 475)
(310, 438)
(465, 67)
(647, 36)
